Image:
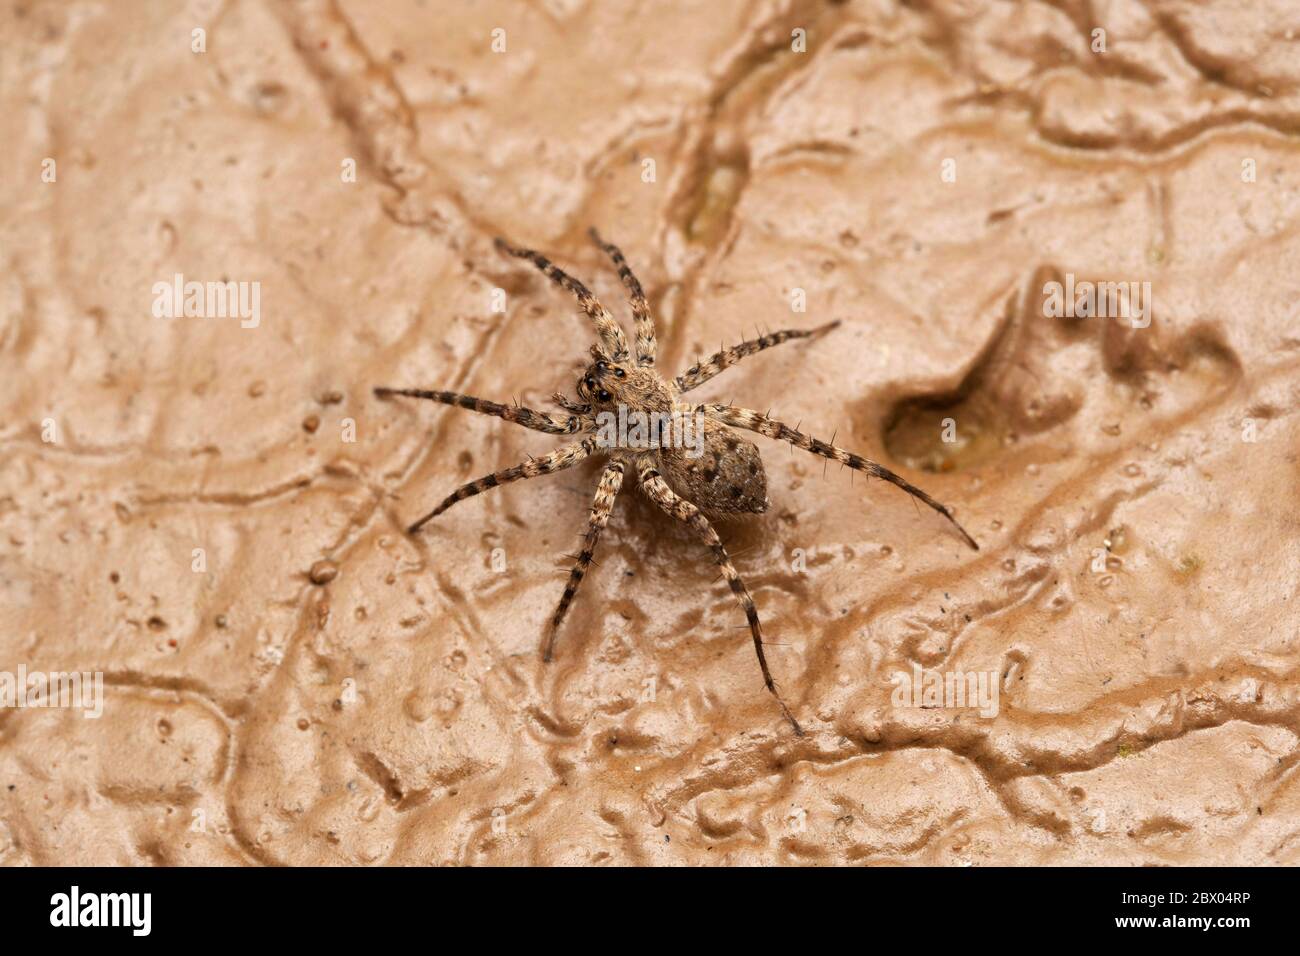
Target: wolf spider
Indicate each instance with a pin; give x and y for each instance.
(726, 478)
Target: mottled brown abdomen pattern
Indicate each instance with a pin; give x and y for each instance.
(727, 478)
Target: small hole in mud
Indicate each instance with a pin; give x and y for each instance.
(710, 208)
(946, 436)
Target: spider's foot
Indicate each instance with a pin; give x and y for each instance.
(785, 711)
(947, 513)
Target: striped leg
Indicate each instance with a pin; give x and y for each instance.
(538, 421)
(563, 457)
(569, 405)
(658, 491)
(645, 325)
(611, 336)
(700, 373)
(758, 422)
(606, 492)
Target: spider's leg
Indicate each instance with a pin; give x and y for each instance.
(606, 492)
(566, 456)
(538, 421)
(718, 362)
(611, 336)
(758, 422)
(658, 491)
(569, 405)
(645, 325)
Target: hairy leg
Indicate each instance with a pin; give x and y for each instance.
(645, 325)
(611, 336)
(538, 421)
(758, 422)
(719, 362)
(569, 405)
(563, 457)
(606, 492)
(658, 491)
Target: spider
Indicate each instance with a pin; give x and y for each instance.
(720, 475)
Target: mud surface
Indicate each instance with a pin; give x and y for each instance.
(213, 515)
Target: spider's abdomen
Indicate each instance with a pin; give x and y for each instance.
(722, 475)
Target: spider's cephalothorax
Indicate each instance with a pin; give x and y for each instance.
(683, 456)
(607, 385)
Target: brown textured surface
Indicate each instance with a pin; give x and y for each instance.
(1150, 714)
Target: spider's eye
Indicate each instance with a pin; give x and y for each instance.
(603, 395)
(619, 373)
(589, 382)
